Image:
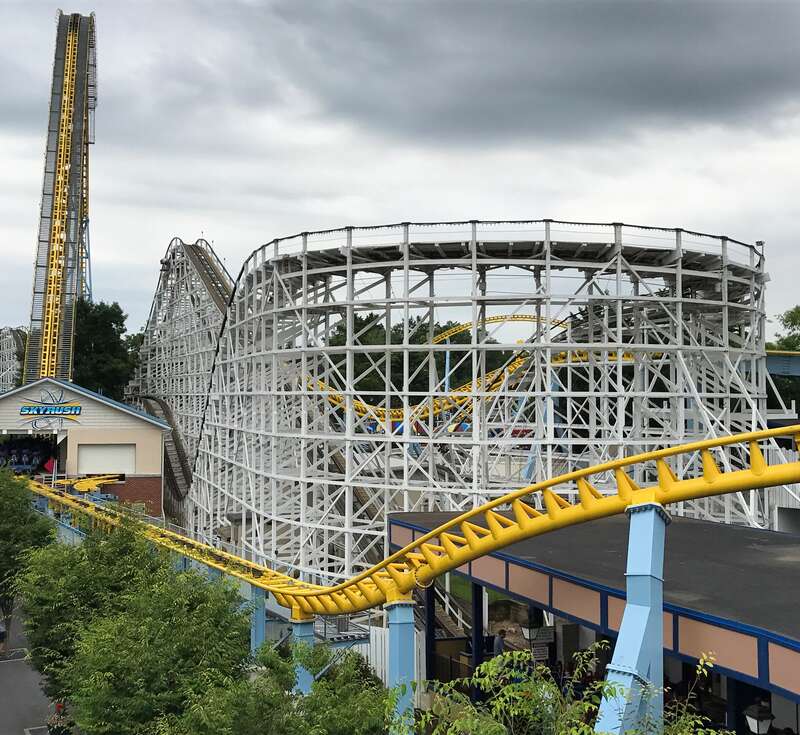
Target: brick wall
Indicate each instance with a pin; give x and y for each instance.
(145, 490)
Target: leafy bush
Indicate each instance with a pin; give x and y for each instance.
(519, 697)
(64, 588)
(171, 641)
(347, 700)
(21, 528)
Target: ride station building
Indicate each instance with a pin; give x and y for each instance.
(55, 427)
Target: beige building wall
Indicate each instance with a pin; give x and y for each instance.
(147, 440)
(97, 423)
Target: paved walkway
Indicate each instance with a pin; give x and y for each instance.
(22, 703)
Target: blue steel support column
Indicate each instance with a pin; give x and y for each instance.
(637, 667)
(430, 632)
(258, 618)
(400, 662)
(477, 625)
(303, 632)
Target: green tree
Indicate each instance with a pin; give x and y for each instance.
(790, 339)
(238, 707)
(104, 357)
(63, 588)
(347, 700)
(788, 387)
(370, 330)
(21, 529)
(172, 639)
(133, 343)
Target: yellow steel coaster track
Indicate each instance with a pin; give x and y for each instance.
(54, 285)
(489, 528)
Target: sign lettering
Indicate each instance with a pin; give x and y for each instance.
(50, 410)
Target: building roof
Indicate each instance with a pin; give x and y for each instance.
(727, 589)
(748, 576)
(93, 395)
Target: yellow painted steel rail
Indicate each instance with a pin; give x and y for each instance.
(488, 528)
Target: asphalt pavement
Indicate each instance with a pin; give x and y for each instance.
(23, 706)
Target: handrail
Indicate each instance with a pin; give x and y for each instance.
(483, 530)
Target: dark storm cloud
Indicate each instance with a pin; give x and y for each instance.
(179, 75)
(470, 72)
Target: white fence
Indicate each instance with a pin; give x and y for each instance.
(376, 652)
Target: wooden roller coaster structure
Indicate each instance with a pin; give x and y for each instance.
(462, 395)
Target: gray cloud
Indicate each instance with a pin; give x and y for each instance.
(455, 72)
(248, 120)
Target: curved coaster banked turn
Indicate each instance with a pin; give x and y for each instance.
(636, 669)
(481, 531)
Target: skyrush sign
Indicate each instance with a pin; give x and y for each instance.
(50, 410)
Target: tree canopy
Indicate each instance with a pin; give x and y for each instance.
(104, 356)
(369, 367)
(135, 646)
(171, 640)
(21, 528)
(346, 699)
(787, 386)
(790, 339)
(63, 588)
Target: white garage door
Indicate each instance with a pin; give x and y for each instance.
(97, 459)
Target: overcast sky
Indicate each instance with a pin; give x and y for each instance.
(243, 120)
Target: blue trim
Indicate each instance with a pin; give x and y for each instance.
(676, 632)
(785, 693)
(763, 660)
(718, 668)
(734, 626)
(604, 610)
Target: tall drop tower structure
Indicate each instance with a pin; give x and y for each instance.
(62, 270)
